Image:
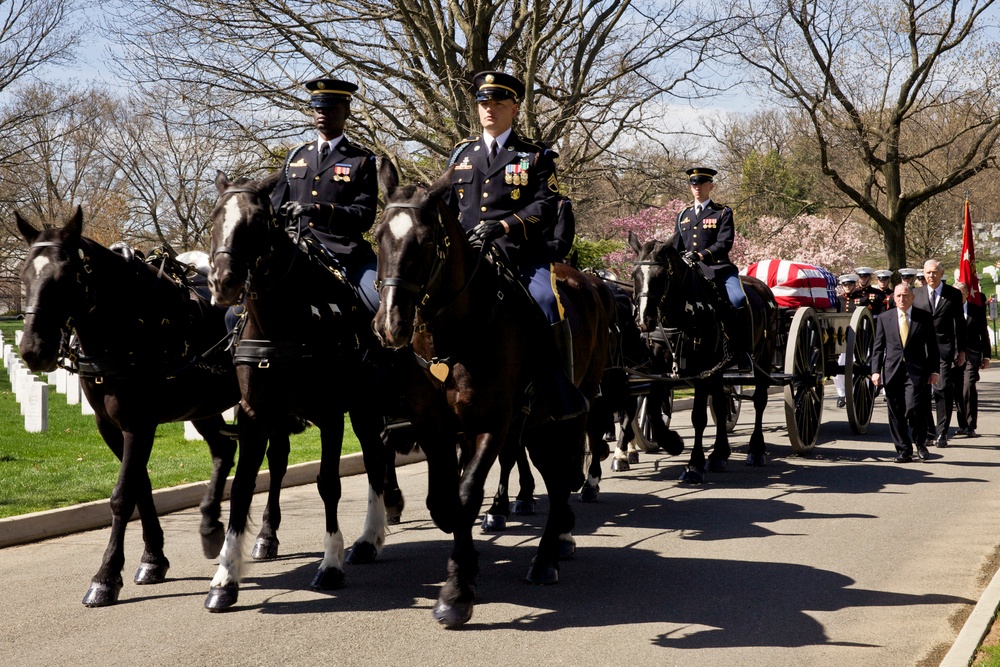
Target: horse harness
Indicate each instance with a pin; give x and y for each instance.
(439, 367)
(108, 364)
(673, 338)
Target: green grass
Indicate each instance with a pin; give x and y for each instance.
(70, 463)
(988, 656)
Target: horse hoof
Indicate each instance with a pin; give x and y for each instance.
(633, 457)
(394, 519)
(674, 444)
(452, 615)
(567, 549)
(693, 476)
(151, 573)
(494, 523)
(542, 574)
(221, 598)
(211, 542)
(523, 508)
(756, 460)
(588, 494)
(265, 548)
(102, 595)
(620, 465)
(716, 465)
(328, 579)
(362, 553)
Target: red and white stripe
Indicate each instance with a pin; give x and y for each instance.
(796, 285)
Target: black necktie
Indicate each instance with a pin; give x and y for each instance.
(324, 150)
(493, 154)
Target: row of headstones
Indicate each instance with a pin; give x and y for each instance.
(32, 393)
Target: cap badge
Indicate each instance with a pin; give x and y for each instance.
(490, 78)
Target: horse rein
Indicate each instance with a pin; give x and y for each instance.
(441, 254)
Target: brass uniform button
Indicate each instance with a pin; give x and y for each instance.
(483, 209)
(486, 181)
(316, 178)
(311, 224)
(315, 193)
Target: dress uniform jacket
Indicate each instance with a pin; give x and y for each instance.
(560, 235)
(712, 234)
(869, 297)
(345, 188)
(519, 188)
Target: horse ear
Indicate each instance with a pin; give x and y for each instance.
(388, 177)
(221, 181)
(442, 184)
(27, 231)
(633, 241)
(74, 226)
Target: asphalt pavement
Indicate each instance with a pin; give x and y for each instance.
(838, 558)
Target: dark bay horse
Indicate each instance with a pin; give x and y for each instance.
(671, 294)
(142, 339)
(298, 353)
(475, 345)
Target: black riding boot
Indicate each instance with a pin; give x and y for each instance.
(566, 400)
(740, 338)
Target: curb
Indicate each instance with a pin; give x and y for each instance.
(963, 651)
(88, 516)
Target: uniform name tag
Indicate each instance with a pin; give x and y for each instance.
(300, 163)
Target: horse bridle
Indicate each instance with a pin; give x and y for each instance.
(35, 310)
(229, 250)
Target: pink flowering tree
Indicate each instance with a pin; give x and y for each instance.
(657, 222)
(820, 241)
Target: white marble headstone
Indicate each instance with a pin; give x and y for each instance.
(36, 417)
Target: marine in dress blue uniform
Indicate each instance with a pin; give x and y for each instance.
(331, 187)
(865, 295)
(505, 191)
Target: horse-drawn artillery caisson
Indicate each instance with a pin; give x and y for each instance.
(676, 304)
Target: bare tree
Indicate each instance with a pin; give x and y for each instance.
(901, 96)
(593, 68)
(167, 152)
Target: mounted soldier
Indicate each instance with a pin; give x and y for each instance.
(330, 187)
(705, 233)
(504, 191)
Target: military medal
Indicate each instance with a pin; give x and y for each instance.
(508, 176)
(342, 172)
(524, 171)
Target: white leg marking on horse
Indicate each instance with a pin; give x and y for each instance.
(593, 481)
(38, 264)
(567, 537)
(230, 560)
(400, 225)
(375, 521)
(232, 218)
(643, 289)
(333, 551)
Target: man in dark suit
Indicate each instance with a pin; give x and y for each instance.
(331, 188)
(944, 303)
(905, 361)
(977, 356)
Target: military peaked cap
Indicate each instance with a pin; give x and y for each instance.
(698, 175)
(327, 92)
(497, 86)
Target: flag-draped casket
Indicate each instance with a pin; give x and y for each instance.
(796, 285)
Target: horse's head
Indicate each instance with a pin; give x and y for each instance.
(241, 220)
(656, 268)
(52, 282)
(412, 248)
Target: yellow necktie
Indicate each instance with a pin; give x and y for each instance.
(904, 329)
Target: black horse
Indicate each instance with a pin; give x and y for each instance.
(141, 336)
(475, 345)
(298, 352)
(681, 310)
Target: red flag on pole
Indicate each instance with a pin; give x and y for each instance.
(967, 263)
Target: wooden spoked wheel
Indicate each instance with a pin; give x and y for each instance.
(805, 363)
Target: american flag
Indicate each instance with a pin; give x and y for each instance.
(796, 285)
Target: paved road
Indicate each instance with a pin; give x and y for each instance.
(841, 558)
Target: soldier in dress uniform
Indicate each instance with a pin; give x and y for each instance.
(909, 276)
(331, 188)
(705, 233)
(504, 190)
(865, 295)
(847, 284)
